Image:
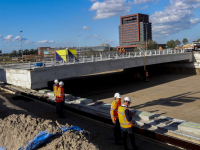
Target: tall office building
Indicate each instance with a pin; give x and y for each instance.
(133, 29)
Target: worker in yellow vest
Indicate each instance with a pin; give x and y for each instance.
(114, 116)
(60, 99)
(125, 120)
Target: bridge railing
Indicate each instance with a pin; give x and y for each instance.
(101, 56)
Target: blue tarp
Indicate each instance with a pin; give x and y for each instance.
(44, 136)
(2, 148)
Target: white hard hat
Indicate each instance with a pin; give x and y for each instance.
(128, 99)
(56, 81)
(61, 83)
(117, 95)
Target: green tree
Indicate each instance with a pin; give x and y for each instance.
(198, 40)
(14, 53)
(177, 42)
(152, 45)
(170, 44)
(185, 41)
(26, 52)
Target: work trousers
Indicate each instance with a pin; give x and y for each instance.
(59, 108)
(117, 131)
(130, 132)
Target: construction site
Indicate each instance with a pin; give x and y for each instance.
(167, 107)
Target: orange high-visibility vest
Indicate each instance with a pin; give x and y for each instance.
(147, 74)
(55, 89)
(60, 95)
(124, 123)
(114, 109)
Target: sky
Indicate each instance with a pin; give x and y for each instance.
(69, 23)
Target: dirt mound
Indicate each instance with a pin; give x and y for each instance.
(16, 130)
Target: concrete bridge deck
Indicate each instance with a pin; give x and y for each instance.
(39, 77)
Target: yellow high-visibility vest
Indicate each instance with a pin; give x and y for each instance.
(124, 123)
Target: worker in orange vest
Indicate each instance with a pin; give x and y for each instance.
(55, 86)
(125, 120)
(60, 98)
(114, 116)
(147, 75)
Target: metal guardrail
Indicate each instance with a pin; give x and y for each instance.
(101, 56)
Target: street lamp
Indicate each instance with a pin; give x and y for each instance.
(79, 41)
(21, 42)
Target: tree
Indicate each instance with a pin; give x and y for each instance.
(170, 44)
(152, 45)
(198, 40)
(19, 53)
(14, 53)
(185, 41)
(26, 52)
(177, 42)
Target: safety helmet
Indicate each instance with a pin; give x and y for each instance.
(61, 83)
(128, 99)
(56, 81)
(117, 95)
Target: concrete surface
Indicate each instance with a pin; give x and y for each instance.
(39, 77)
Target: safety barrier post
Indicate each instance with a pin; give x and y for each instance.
(123, 56)
(92, 58)
(129, 55)
(116, 56)
(140, 54)
(159, 53)
(63, 62)
(150, 53)
(108, 56)
(30, 65)
(52, 61)
(83, 59)
(163, 52)
(167, 51)
(101, 57)
(155, 52)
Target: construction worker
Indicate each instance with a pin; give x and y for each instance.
(114, 116)
(60, 98)
(125, 120)
(147, 76)
(55, 86)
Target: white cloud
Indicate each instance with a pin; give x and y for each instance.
(93, 36)
(109, 8)
(7, 38)
(176, 17)
(86, 28)
(44, 42)
(28, 42)
(108, 41)
(137, 2)
(191, 1)
(145, 7)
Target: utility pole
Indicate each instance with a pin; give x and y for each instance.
(21, 42)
